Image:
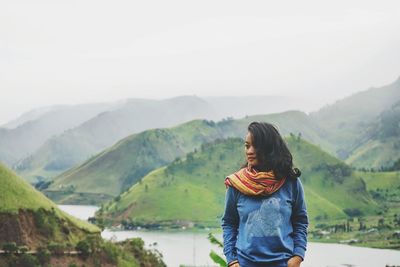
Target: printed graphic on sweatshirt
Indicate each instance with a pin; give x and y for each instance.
(264, 221)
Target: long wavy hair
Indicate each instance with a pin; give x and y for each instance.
(272, 151)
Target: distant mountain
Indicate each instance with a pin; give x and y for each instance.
(53, 151)
(78, 144)
(136, 115)
(241, 106)
(193, 190)
(31, 115)
(379, 145)
(346, 120)
(120, 166)
(35, 127)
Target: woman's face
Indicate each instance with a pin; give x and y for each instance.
(250, 150)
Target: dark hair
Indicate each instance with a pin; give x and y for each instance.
(272, 151)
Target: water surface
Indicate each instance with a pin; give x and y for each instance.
(193, 248)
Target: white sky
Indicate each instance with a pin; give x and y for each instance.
(67, 52)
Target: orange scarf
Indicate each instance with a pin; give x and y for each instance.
(253, 183)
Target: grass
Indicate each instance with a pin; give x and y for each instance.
(375, 154)
(115, 169)
(16, 194)
(192, 189)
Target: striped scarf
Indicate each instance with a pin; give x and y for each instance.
(250, 182)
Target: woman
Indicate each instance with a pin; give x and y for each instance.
(265, 219)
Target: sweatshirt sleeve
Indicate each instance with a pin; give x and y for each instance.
(230, 224)
(299, 221)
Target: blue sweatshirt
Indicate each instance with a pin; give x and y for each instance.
(260, 230)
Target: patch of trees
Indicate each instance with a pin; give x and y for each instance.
(353, 212)
(225, 121)
(388, 194)
(42, 184)
(100, 252)
(133, 176)
(394, 167)
(146, 257)
(390, 123)
(335, 171)
(297, 138)
(210, 123)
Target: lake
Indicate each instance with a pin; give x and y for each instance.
(193, 248)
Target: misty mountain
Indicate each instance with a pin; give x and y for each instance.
(340, 124)
(239, 107)
(31, 115)
(117, 168)
(345, 121)
(379, 145)
(73, 146)
(35, 127)
(135, 115)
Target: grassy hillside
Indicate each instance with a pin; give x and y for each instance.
(379, 145)
(333, 190)
(384, 187)
(120, 166)
(344, 121)
(17, 194)
(117, 168)
(193, 190)
(28, 219)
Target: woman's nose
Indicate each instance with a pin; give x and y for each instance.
(250, 150)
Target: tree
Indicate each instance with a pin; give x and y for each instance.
(27, 260)
(299, 136)
(10, 247)
(84, 247)
(43, 255)
(56, 248)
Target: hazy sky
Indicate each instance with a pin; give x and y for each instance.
(66, 52)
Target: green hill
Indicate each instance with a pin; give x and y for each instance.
(29, 218)
(384, 187)
(344, 121)
(120, 166)
(77, 144)
(192, 190)
(379, 145)
(117, 168)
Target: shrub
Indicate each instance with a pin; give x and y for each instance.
(43, 255)
(111, 252)
(10, 247)
(27, 260)
(353, 212)
(56, 248)
(46, 222)
(84, 247)
(23, 249)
